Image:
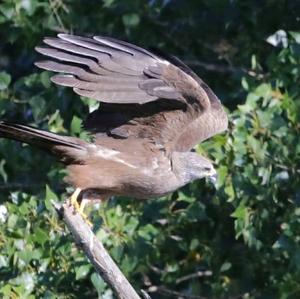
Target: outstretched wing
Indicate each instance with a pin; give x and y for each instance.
(144, 95)
(104, 69)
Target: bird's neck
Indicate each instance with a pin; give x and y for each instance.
(182, 168)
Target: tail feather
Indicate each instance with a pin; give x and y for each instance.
(67, 149)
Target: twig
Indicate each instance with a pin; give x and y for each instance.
(165, 291)
(215, 67)
(55, 5)
(145, 294)
(17, 186)
(96, 252)
(194, 275)
(223, 69)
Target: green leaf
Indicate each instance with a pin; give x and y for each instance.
(229, 190)
(28, 255)
(2, 170)
(131, 20)
(8, 10)
(38, 106)
(225, 267)
(98, 283)
(295, 35)
(82, 271)
(241, 212)
(5, 80)
(264, 90)
(29, 6)
(245, 84)
(45, 79)
(76, 125)
(196, 212)
(108, 3)
(194, 244)
(253, 62)
(147, 231)
(49, 198)
(40, 236)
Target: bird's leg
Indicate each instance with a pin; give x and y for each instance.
(83, 205)
(74, 199)
(79, 207)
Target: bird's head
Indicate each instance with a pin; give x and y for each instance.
(190, 166)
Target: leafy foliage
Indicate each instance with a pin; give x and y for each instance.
(240, 240)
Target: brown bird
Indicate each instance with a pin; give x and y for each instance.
(154, 110)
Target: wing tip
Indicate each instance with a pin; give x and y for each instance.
(49, 65)
(54, 41)
(64, 35)
(63, 80)
(46, 50)
(80, 92)
(40, 64)
(38, 49)
(98, 37)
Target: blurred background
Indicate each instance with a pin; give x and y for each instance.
(238, 240)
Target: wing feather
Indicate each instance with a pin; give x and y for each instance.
(144, 95)
(120, 96)
(101, 85)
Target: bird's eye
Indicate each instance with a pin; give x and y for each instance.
(207, 168)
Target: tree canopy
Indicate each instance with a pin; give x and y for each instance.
(238, 240)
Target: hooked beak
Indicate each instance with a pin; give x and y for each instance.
(213, 179)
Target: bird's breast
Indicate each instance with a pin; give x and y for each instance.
(135, 175)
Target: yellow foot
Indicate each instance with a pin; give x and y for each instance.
(79, 208)
(74, 199)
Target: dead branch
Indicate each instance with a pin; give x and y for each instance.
(96, 253)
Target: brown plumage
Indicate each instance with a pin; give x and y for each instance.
(154, 110)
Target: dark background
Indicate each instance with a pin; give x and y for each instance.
(240, 240)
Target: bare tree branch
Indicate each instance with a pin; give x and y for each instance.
(104, 264)
(96, 253)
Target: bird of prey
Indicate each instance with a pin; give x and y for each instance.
(154, 109)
